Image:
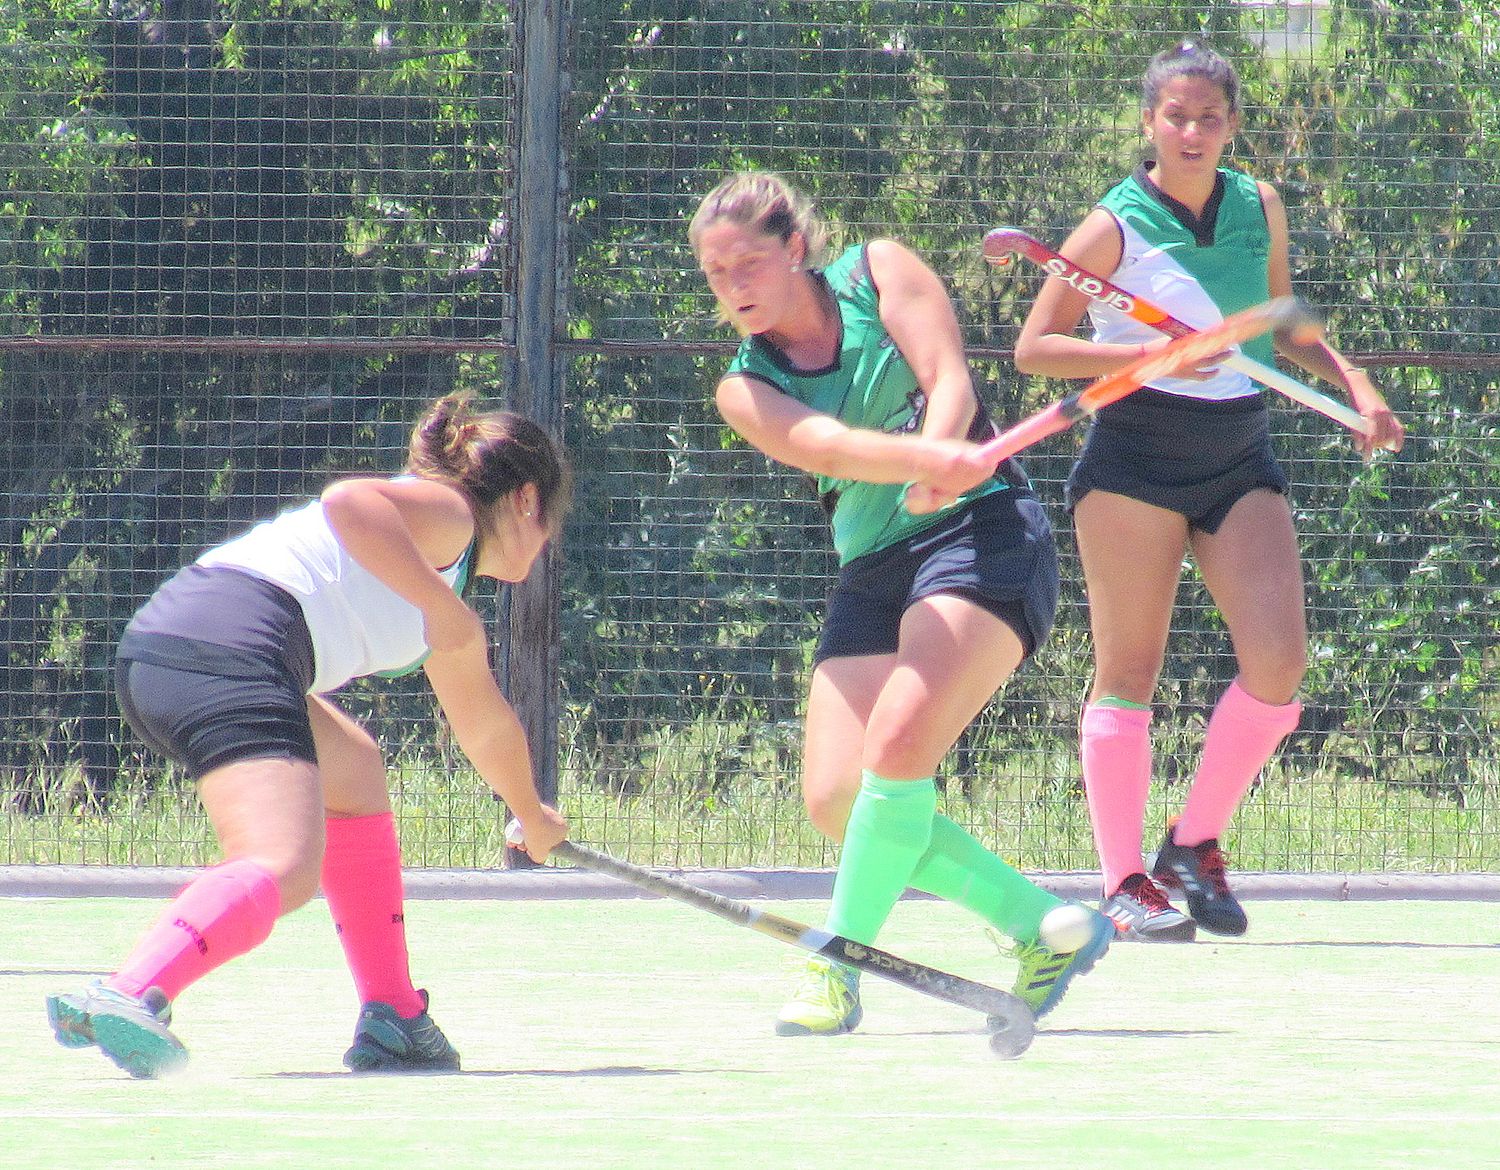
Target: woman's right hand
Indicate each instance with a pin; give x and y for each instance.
(946, 469)
(540, 832)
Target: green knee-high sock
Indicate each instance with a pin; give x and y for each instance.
(888, 831)
(957, 868)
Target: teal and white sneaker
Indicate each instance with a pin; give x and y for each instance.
(385, 1042)
(826, 1002)
(1045, 973)
(132, 1032)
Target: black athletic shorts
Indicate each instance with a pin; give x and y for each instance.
(215, 668)
(997, 551)
(1188, 455)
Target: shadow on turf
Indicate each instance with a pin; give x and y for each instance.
(606, 1070)
(55, 972)
(1374, 944)
(1042, 1032)
(1133, 1033)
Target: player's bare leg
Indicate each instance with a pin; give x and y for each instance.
(1132, 557)
(1253, 570)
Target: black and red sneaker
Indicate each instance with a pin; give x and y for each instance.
(1141, 911)
(1198, 871)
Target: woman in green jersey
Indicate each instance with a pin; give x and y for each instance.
(855, 373)
(1183, 465)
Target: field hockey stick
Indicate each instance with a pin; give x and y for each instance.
(1001, 243)
(1177, 355)
(1011, 1024)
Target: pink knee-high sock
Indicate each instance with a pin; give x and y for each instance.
(1117, 779)
(362, 882)
(1242, 734)
(223, 912)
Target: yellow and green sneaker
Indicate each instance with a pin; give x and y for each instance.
(1045, 973)
(826, 1002)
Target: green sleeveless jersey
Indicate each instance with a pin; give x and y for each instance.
(869, 385)
(1198, 269)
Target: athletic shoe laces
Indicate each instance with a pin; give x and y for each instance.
(827, 985)
(1037, 960)
(1150, 896)
(1211, 864)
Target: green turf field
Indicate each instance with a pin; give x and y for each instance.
(636, 1035)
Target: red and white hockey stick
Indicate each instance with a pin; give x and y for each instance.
(1176, 356)
(1002, 243)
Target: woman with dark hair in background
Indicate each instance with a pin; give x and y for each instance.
(1182, 465)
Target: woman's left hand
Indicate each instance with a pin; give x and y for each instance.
(923, 499)
(1386, 432)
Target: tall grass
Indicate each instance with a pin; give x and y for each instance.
(697, 797)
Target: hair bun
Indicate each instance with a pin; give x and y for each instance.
(446, 432)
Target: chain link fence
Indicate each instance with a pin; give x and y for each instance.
(243, 251)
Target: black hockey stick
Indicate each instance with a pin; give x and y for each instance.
(1010, 1021)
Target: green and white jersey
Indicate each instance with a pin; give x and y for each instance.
(1200, 270)
(869, 385)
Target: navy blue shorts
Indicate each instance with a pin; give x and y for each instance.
(215, 669)
(1187, 455)
(998, 552)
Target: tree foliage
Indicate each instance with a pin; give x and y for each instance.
(344, 169)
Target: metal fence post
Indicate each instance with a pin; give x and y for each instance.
(531, 675)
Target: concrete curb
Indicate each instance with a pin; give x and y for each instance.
(97, 881)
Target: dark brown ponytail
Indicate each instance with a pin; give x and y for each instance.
(487, 455)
